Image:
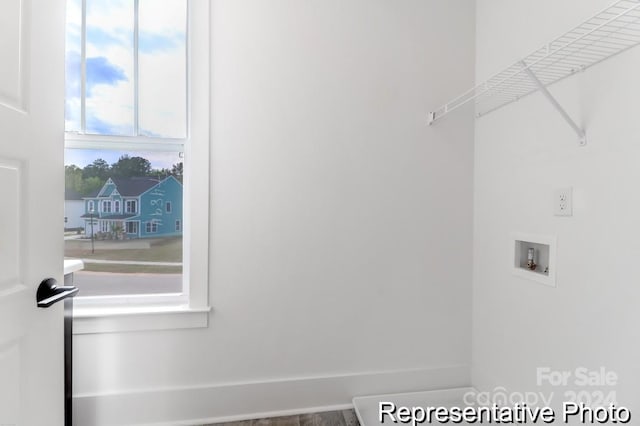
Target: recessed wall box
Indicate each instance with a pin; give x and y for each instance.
(534, 258)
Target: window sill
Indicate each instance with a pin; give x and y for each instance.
(116, 319)
(72, 265)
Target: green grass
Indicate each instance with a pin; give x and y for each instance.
(161, 250)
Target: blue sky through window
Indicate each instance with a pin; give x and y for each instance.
(110, 67)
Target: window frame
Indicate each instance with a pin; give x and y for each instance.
(126, 206)
(151, 227)
(189, 309)
(135, 224)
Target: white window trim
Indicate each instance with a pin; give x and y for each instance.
(127, 203)
(191, 308)
(136, 223)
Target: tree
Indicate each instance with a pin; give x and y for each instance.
(131, 167)
(72, 177)
(177, 170)
(160, 173)
(99, 168)
(90, 186)
(117, 231)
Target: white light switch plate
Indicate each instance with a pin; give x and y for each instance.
(563, 202)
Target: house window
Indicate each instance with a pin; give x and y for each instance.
(116, 206)
(167, 206)
(106, 206)
(178, 225)
(132, 228)
(90, 207)
(130, 206)
(151, 227)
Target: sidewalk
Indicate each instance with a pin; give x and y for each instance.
(76, 237)
(131, 262)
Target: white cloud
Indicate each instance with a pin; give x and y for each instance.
(110, 26)
(113, 105)
(163, 106)
(165, 17)
(110, 16)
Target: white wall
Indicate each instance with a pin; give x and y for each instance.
(73, 210)
(522, 153)
(341, 224)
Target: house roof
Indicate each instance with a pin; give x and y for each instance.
(131, 187)
(72, 194)
(106, 191)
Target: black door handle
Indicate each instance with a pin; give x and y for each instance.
(49, 292)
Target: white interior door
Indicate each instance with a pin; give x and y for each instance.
(31, 210)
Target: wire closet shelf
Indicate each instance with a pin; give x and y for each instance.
(610, 32)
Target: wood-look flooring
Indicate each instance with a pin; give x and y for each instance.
(328, 418)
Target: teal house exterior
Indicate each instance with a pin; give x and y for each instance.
(139, 207)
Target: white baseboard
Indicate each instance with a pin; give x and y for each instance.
(197, 405)
(483, 381)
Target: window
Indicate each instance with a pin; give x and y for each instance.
(133, 53)
(126, 129)
(132, 228)
(130, 206)
(151, 227)
(178, 225)
(90, 207)
(131, 105)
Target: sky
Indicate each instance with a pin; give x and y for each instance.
(110, 72)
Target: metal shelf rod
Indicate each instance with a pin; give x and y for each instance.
(581, 134)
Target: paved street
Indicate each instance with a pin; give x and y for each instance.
(108, 283)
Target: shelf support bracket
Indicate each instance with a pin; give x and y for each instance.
(582, 137)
